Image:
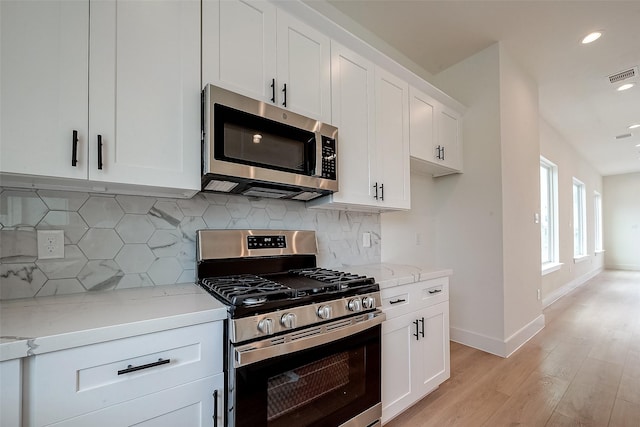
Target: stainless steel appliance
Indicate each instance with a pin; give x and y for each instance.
(254, 148)
(303, 344)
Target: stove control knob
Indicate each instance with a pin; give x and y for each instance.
(324, 312)
(355, 305)
(369, 302)
(266, 326)
(288, 320)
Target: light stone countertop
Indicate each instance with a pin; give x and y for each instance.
(33, 326)
(390, 275)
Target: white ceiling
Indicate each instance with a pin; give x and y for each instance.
(544, 36)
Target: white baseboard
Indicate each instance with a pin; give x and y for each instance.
(628, 267)
(564, 290)
(494, 345)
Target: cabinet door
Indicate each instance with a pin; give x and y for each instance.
(352, 110)
(44, 86)
(144, 93)
(304, 65)
(399, 369)
(433, 348)
(239, 46)
(422, 125)
(190, 404)
(449, 136)
(11, 392)
(392, 140)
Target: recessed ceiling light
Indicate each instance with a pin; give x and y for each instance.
(634, 126)
(590, 38)
(626, 86)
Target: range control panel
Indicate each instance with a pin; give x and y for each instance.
(266, 242)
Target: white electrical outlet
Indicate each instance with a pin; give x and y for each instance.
(366, 240)
(50, 244)
(539, 294)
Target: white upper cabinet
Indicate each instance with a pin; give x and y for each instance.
(44, 87)
(252, 48)
(370, 108)
(122, 76)
(144, 92)
(392, 141)
(435, 133)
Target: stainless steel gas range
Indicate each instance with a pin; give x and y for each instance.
(302, 344)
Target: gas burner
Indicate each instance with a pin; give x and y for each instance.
(246, 289)
(339, 279)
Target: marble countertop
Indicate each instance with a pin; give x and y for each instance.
(33, 326)
(390, 275)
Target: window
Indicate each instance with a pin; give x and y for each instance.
(579, 220)
(548, 212)
(597, 219)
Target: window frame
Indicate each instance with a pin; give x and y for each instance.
(550, 262)
(597, 222)
(579, 220)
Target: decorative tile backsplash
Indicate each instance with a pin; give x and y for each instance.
(118, 241)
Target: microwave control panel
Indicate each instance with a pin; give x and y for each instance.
(328, 158)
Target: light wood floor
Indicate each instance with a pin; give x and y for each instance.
(582, 369)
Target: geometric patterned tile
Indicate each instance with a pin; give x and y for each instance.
(238, 207)
(60, 287)
(100, 275)
(71, 223)
(17, 246)
(216, 217)
(165, 243)
(20, 280)
(100, 243)
(194, 206)
(21, 208)
(63, 268)
(165, 271)
(135, 228)
(63, 200)
(135, 258)
(166, 215)
(101, 212)
(135, 280)
(135, 204)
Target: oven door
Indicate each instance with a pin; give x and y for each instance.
(336, 383)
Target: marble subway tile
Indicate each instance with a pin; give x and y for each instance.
(165, 271)
(20, 280)
(63, 268)
(21, 208)
(166, 215)
(135, 228)
(101, 212)
(63, 200)
(99, 243)
(70, 222)
(135, 258)
(60, 287)
(18, 245)
(136, 204)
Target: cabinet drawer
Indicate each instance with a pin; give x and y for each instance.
(404, 299)
(72, 382)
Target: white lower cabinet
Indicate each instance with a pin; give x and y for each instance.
(10, 393)
(415, 344)
(153, 379)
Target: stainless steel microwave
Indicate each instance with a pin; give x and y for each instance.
(255, 148)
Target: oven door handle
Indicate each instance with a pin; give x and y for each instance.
(262, 350)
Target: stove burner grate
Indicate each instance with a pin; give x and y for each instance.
(339, 279)
(247, 289)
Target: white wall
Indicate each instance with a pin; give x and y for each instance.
(520, 144)
(621, 212)
(570, 164)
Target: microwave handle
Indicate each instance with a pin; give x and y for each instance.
(313, 158)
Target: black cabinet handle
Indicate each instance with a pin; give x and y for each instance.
(397, 301)
(273, 90)
(284, 91)
(376, 188)
(132, 368)
(443, 153)
(415, 322)
(422, 329)
(434, 291)
(382, 192)
(74, 148)
(100, 152)
(215, 408)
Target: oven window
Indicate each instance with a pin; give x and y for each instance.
(252, 140)
(325, 385)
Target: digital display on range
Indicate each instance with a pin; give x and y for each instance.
(266, 242)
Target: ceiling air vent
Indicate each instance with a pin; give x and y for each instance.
(624, 135)
(629, 74)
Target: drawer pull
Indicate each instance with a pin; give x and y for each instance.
(132, 368)
(215, 408)
(435, 291)
(399, 300)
